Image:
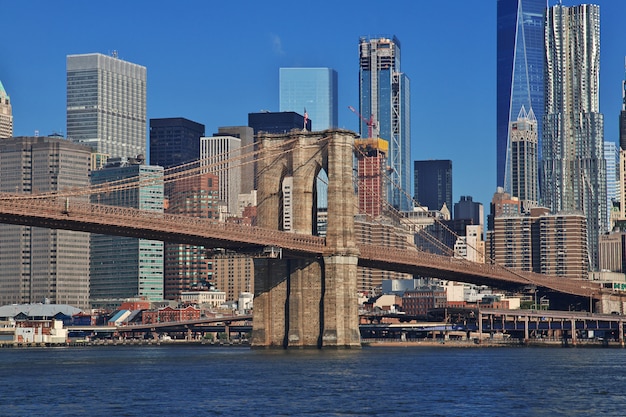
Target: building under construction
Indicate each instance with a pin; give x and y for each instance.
(371, 156)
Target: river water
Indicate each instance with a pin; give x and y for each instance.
(373, 381)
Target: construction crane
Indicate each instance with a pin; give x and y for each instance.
(370, 123)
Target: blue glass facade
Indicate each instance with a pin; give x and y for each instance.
(384, 94)
(123, 267)
(277, 122)
(521, 54)
(174, 141)
(313, 89)
(432, 180)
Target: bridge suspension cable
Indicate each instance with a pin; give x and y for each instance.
(212, 164)
(428, 236)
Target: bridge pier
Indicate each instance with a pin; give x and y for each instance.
(307, 302)
(340, 302)
(270, 287)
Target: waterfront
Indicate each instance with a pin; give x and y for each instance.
(380, 381)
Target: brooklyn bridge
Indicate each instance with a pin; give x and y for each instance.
(305, 285)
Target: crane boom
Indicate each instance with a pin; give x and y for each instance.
(369, 123)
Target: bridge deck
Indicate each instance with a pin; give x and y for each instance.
(74, 214)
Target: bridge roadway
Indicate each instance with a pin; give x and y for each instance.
(74, 214)
(526, 324)
(170, 325)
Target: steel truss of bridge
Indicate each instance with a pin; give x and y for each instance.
(78, 215)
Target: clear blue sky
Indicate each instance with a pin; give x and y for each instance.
(216, 61)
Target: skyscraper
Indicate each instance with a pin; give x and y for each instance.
(520, 60)
(174, 141)
(188, 267)
(433, 183)
(622, 154)
(384, 94)
(246, 134)
(123, 267)
(613, 186)
(468, 209)
(220, 155)
(38, 264)
(277, 122)
(106, 104)
(574, 170)
(313, 89)
(6, 114)
(622, 117)
(524, 159)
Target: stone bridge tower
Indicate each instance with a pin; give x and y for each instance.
(307, 302)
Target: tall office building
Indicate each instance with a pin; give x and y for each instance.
(220, 155)
(124, 267)
(246, 135)
(520, 60)
(106, 104)
(188, 267)
(467, 209)
(622, 153)
(574, 170)
(6, 114)
(277, 122)
(313, 90)
(432, 181)
(613, 186)
(38, 264)
(525, 159)
(384, 94)
(622, 117)
(502, 204)
(174, 141)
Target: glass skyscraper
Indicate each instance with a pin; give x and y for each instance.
(384, 95)
(613, 186)
(6, 114)
(174, 141)
(622, 117)
(106, 104)
(574, 169)
(520, 60)
(524, 159)
(313, 89)
(123, 267)
(433, 183)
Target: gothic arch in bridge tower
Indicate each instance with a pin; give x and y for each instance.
(290, 163)
(307, 302)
